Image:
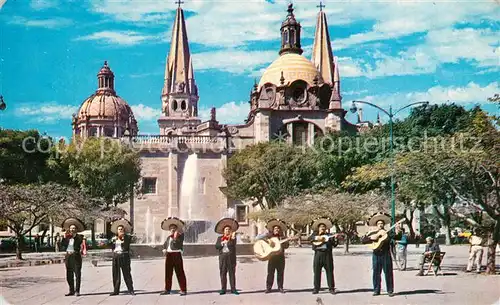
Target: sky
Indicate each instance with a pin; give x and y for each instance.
(390, 53)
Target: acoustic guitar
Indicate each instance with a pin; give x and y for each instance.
(265, 248)
(382, 235)
(325, 238)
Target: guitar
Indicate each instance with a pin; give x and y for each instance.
(264, 249)
(325, 238)
(382, 235)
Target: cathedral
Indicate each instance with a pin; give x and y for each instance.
(297, 99)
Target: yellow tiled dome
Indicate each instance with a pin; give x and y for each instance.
(294, 67)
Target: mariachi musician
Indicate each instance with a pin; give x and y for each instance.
(172, 249)
(322, 245)
(276, 228)
(381, 257)
(75, 247)
(226, 244)
(121, 255)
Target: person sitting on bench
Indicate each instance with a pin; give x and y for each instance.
(431, 247)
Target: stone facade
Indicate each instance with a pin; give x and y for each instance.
(296, 100)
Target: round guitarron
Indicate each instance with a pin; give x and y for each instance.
(265, 249)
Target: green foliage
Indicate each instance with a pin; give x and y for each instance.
(343, 208)
(23, 156)
(268, 172)
(103, 168)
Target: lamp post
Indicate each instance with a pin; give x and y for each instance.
(391, 114)
(128, 135)
(2, 104)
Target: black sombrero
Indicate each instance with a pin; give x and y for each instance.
(68, 222)
(323, 220)
(276, 222)
(166, 223)
(226, 222)
(127, 226)
(379, 216)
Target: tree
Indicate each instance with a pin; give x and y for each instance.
(267, 173)
(343, 208)
(103, 168)
(25, 206)
(23, 156)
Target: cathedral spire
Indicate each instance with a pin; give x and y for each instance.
(178, 69)
(180, 93)
(322, 55)
(290, 34)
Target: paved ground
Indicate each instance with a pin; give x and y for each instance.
(47, 285)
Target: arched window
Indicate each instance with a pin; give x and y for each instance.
(292, 37)
(285, 33)
(174, 105)
(183, 105)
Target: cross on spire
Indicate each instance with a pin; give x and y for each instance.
(321, 6)
(179, 2)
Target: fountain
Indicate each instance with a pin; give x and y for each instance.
(199, 233)
(192, 210)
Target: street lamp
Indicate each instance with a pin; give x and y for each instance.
(2, 103)
(128, 134)
(391, 114)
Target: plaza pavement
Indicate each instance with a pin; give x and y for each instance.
(47, 285)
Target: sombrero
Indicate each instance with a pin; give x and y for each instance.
(68, 222)
(226, 222)
(166, 223)
(323, 220)
(276, 222)
(379, 216)
(127, 226)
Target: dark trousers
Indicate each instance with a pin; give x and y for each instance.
(323, 259)
(379, 263)
(73, 264)
(122, 261)
(227, 264)
(173, 261)
(276, 262)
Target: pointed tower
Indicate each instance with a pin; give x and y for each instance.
(180, 93)
(323, 59)
(290, 34)
(322, 55)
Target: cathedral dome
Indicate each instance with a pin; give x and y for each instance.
(294, 67)
(104, 113)
(105, 107)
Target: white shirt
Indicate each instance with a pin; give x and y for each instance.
(169, 242)
(118, 246)
(71, 245)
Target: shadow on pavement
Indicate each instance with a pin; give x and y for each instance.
(123, 292)
(355, 290)
(205, 292)
(419, 291)
(20, 282)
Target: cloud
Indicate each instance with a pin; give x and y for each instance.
(233, 61)
(43, 4)
(228, 113)
(126, 38)
(472, 93)
(48, 113)
(440, 46)
(52, 23)
(145, 113)
(399, 18)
